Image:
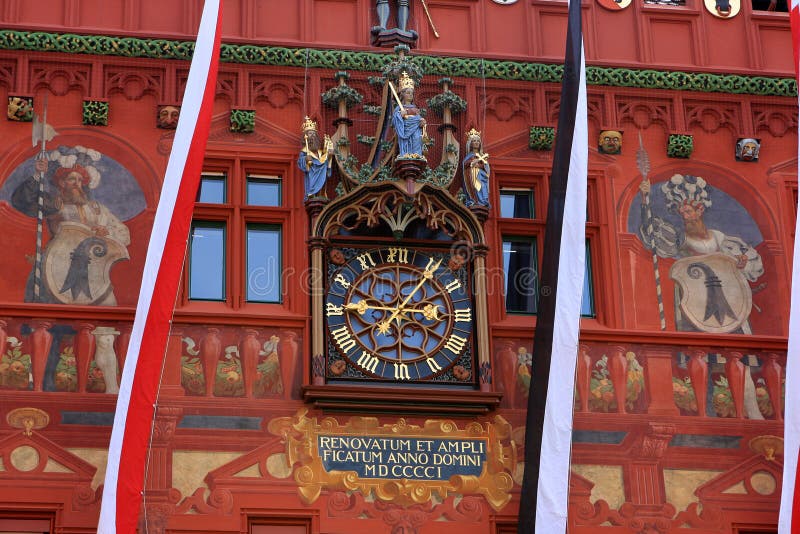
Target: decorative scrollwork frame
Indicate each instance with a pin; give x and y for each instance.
(301, 432)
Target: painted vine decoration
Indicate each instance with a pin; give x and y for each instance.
(243, 120)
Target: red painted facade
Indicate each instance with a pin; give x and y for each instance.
(649, 454)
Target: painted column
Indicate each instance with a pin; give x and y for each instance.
(41, 340)
(658, 376)
(481, 319)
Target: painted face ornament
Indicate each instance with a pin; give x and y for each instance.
(747, 149)
(610, 142)
(168, 117)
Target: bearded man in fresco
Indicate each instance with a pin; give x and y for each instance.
(712, 271)
(70, 203)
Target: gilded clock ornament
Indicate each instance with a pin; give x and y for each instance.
(399, 314)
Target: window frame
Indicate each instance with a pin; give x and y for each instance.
(236, 214)
(219, 175)
(537, 179)
(253, 177)
(531, 201)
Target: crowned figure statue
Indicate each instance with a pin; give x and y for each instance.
(407, 122)
(315, 159)
(476, 171)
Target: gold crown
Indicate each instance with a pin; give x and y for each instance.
(308, 124)
(405, 81)
(473, 133)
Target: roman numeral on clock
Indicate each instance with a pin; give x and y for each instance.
(455, 344)
(463, 316)
(453, 285)
(401, 371)
(365, 258)
(433, 364)
(343, 338)
(369, 362)
(397, 254)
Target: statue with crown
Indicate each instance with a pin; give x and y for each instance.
(315, 159)
(476, 171)
(409, 126)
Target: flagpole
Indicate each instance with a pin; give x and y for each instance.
(548, 426)
(138, 390)
(789, 518)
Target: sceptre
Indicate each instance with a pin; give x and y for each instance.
(430, 20)
(643, 162)
(397, 97)
(42, 133)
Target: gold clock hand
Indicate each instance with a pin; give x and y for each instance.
(430, 311)
(361, 307)
(427, 274)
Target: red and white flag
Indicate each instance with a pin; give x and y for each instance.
(138, 390)
(790, 499)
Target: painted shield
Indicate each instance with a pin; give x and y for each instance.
(715, 296)
(77, 264)
(724, 9)
(614, 5)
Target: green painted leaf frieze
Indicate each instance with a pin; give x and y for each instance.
(375, 62)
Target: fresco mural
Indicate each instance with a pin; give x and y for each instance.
(86, 197)
(234, 363)
(713, 240)
(716, 271)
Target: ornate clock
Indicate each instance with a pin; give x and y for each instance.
(398, 303)
(399, 314)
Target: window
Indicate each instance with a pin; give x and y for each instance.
(207, 258)
(587, 302)
(236, 250)
(212, 188)
(263, 263)
(516, 204)
(521, 274)
(263, 190)
(521, 228)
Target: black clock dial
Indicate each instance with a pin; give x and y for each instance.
(398, 314)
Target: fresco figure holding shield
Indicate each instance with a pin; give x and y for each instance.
(86, 238)
(722, 308)
(712, 271)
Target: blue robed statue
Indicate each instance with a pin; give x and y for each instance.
(315, 159)
(476, 171)
(409, 126)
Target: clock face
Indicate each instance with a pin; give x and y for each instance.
(399, 314)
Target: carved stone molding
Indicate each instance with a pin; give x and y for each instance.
(390, 204)
(655, 442)
(134, 84)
